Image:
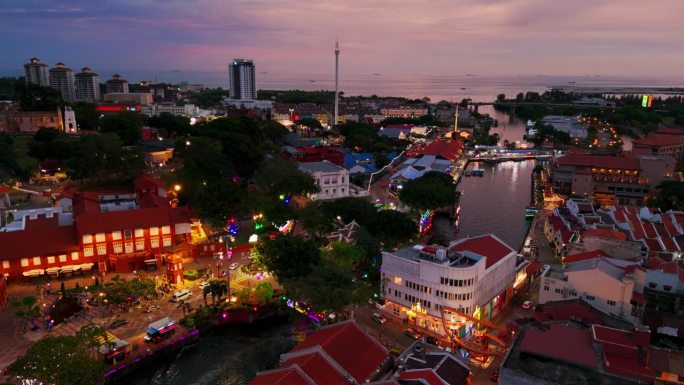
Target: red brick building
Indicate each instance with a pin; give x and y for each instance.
(88, 231)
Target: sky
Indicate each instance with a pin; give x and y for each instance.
(429, 37)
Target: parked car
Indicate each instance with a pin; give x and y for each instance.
(117, 323)
(151, 308)
(234, 266)
(527, 305)
(377, 317)
(432, 340)
(203, 284)
(413, 333)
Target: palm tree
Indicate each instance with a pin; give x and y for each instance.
(185, 307)
(218, 288)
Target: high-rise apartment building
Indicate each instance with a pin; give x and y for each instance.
(87, 85)
(37, 73)
(241, 79)
(117, 85)
(62, 79)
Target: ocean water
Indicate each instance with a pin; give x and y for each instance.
(477, 87)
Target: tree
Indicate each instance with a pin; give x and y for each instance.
(278, 176)
(325, 287)
(126, 125)
(185, 307)
(87, 116)
(391, 226)
(309, 122)
(26, 309)
(289, 257)
(37, 98)
(431, 191)
(381, 161)
(501, 97)
(63, 360)
(263, 292)
(169, 125)
(348, 209)
(217, 288)
(670, 196)
(345, 255)
(314, 221)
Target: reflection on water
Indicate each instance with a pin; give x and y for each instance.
(230, 356)
(494, 203)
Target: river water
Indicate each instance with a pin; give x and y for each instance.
(227, 356)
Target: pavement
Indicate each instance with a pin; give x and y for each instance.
(15, 342)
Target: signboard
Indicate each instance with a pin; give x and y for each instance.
(646, 101)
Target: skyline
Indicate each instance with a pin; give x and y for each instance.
(440, 37)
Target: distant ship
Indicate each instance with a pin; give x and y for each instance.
(376, 74)
(312, 81)
(471, 75)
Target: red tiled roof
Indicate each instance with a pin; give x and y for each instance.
(561, 342)
(38, 240)
(669, 224)
(670, 131)
(605, 233)
(532, 268)
(619, 216)
(488, 246)
(679, 217)
(649, 229)
(122, 220)
(659, 139)
(317, 368)
(613, 336)
(585, 256)
(627, 367)
(151, 199)
(346, 343)
(599, 161)
(653, 245)
(147, 180)
(447, 149)
(428, 376)
(288, 376)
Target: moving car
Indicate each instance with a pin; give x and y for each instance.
(413, 333)
(377, 317)
(181, 295)
(527, 305)
(117, 323)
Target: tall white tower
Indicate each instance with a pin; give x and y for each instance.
(70, 125)
(337, 73)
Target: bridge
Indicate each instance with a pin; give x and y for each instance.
(511, 155)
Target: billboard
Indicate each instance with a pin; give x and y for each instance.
(646, 101)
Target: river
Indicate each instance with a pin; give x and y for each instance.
(226, 356)
(494, 203)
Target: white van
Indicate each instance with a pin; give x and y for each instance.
(181, 295)
(377, 317)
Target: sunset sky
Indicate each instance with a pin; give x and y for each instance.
(439, 37)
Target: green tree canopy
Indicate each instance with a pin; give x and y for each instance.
(431, 191)
(326, 287)
(290, 257)
(309, 122)
(391, 227)
(36, 98)
(170, 125)
(126, 125)
(277, 176)
(87, 116)
(670, 196)
(63, 360)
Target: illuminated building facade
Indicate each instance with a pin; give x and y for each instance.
(475, 276)
(37, 73)
(87, 85)
(241, 79)
(62, 79)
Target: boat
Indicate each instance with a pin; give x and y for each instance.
(477, 172)
(312, 81)
(531, 211)
(468, 173)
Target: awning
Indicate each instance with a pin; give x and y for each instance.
(151, 261)
(34, 273)
(68, 268)
(87, 266)
(52, 270)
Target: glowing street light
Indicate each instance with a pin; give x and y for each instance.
(177, 187)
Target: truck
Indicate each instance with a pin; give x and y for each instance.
(160, 330)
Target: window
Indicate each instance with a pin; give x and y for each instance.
(127, 234)
(139, 233)
(166, 229)
(326, 181)
(129, 247)
(546, 288)
(36, 261)
(102, 249)
(140, 244)
(559, 291)
(87, 238)
(62, 258)
(24, 262)
(611, 303)
(116, 235)
(167, 241)
(88, 251)
(99, 237)
(50, 260)
(154, 230)
(5, 264)
(154, 242)
(589, 297)
(118, 247)
(74, 256)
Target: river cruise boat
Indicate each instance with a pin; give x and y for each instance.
(477, 172)
(531, 211)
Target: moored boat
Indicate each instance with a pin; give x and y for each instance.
(531, 211)
(477, 172)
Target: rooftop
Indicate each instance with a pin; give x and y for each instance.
(320, 167)
(600, 161)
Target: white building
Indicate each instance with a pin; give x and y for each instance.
(37, 73)
(189, 110)
(472, 276)
(608, 284)
(87, 85)
(62, 79)
(331, 179)
(250, 104)
(241, 79)
(116, 85)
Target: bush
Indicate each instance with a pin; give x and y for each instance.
(191, 274)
